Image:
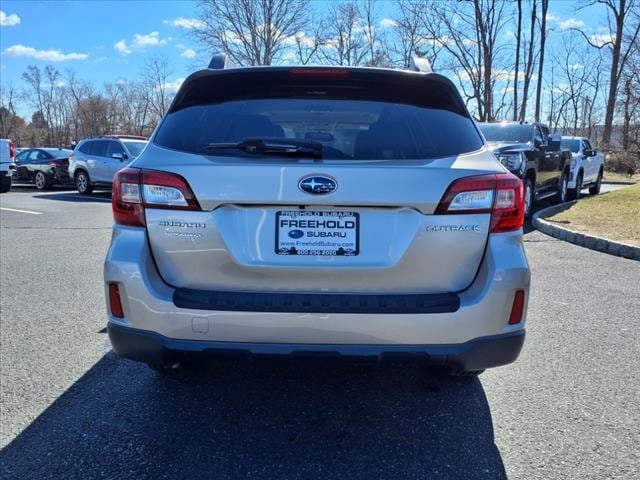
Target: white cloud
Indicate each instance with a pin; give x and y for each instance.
(570, 23)
(10, 20)
(121, 47)
(140, 42)
(187, 23)
(601, 39)
(173, 87)
(551, 17)
(576, 66)
(52, 55)
(188, 53)
(388, 22)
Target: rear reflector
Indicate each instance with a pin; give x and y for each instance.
(114, 301)
(135, 189)
(518, 308)
(500, 194)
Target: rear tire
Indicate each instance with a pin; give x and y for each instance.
(5, 183)
(41, 181)
(529, 196)
(595, 190)
(562, 193)
(574, 193)
(83, 185)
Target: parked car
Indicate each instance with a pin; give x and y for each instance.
(7, 154)
(535, 156)
(96, 159)
(398, 234)
(43, 167)
(587, 166)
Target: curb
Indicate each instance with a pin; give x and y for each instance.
(581, 239)
(617, 182)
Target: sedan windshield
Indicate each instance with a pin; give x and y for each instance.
(134, 148)
(571, 144)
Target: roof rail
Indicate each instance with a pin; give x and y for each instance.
(421, 64)
(220, 62)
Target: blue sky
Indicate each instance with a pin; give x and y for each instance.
(103, 41)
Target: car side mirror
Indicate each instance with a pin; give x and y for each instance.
(554, 142)
(118, 156)
(587, 152)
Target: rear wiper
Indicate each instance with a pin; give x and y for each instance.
(280, 147)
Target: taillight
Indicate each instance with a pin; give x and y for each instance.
(135, 189)
(518, 308)
(12, 151)
(114, 301)
(500, 194)
(315, 72)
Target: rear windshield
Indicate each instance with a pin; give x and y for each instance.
(570, 144)
(134, 148)
(498, 132)
(347, 129)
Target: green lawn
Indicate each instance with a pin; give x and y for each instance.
(614, 215)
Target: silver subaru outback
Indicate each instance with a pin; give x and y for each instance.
(309, 211)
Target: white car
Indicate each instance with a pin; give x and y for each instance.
(317, 211)
(587, 166)
(7, 154)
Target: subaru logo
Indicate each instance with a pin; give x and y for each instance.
(296, 233)
(318, 185)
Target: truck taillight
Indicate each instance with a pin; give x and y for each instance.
(500, 194)
(135, 189)
(12, 151)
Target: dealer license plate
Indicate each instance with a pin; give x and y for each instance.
(307, 232)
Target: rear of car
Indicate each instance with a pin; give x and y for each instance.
(316, 211)
(44, 167)
(7, 154)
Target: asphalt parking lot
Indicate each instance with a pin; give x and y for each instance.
(568, 408)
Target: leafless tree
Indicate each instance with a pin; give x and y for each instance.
(155, 75)
(543, 40)
(251, 32)
(517, 65)
(529, 61)
(346, 42)
(623, 20)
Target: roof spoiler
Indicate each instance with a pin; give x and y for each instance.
(220, 62)
(421, 64)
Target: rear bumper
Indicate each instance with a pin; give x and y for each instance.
(472, 331)
(476, 354)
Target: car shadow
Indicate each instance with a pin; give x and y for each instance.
(241, 419)
(72, 196)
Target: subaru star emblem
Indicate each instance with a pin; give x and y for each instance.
(318, 185)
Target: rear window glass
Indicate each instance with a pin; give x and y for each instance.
(498, 132)
(347, 129)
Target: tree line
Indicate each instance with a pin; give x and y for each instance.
(511, 61)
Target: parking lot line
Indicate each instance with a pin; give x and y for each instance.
(20, 211)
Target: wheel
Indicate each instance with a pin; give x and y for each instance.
(82, 183)
(562, 193)
(5, 183)
(595, 190)
(528, 197)
(41, 181)
(574, 193)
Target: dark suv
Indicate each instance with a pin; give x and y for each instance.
(531, 153)
(97, 159)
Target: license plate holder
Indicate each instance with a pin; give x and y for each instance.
(317, 233)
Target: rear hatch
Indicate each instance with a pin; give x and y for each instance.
(318, 180)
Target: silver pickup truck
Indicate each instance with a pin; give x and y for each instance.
(587, 166)
(7, 154)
